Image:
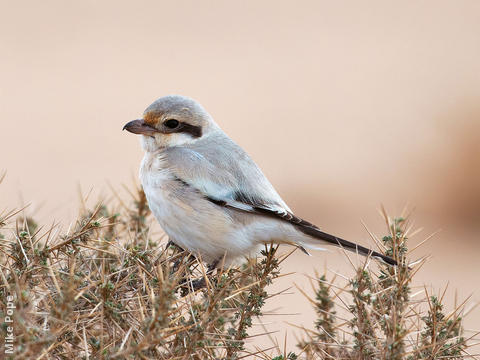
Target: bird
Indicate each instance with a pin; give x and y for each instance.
(209, 196)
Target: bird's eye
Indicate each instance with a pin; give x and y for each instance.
(171, 124)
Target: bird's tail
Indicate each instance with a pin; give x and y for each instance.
(317, 234)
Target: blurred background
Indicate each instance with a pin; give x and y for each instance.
(345, 105)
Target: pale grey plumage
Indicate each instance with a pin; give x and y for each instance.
(218, 167)
(208, 194)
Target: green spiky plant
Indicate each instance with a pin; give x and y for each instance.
(385, 321)
(109, 288)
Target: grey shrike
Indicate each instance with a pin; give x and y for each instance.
(208, 195)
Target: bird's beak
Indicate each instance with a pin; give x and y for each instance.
(139, 127)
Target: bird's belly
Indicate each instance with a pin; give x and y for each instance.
(193, 222)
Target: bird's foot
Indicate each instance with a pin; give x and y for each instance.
(200, 283)
(171, 243)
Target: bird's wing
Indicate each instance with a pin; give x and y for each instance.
(225, 175)
(223, 172)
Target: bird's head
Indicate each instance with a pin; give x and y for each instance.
(172, 120)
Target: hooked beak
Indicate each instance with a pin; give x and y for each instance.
(139, 127)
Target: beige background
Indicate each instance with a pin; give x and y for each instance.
(346, 105)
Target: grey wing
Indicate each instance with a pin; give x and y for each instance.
(225, 175)
(223, 172)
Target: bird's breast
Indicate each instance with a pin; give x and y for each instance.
(154, 172)
(190, 220)
(161, 191)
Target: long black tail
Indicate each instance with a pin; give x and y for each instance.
(348, 245)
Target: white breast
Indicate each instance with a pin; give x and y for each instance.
(190, 220)
(198, 225)
(161, 190)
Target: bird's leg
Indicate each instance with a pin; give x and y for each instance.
(172, 243)
(201, 283)
(211, 267)
(178, 261)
